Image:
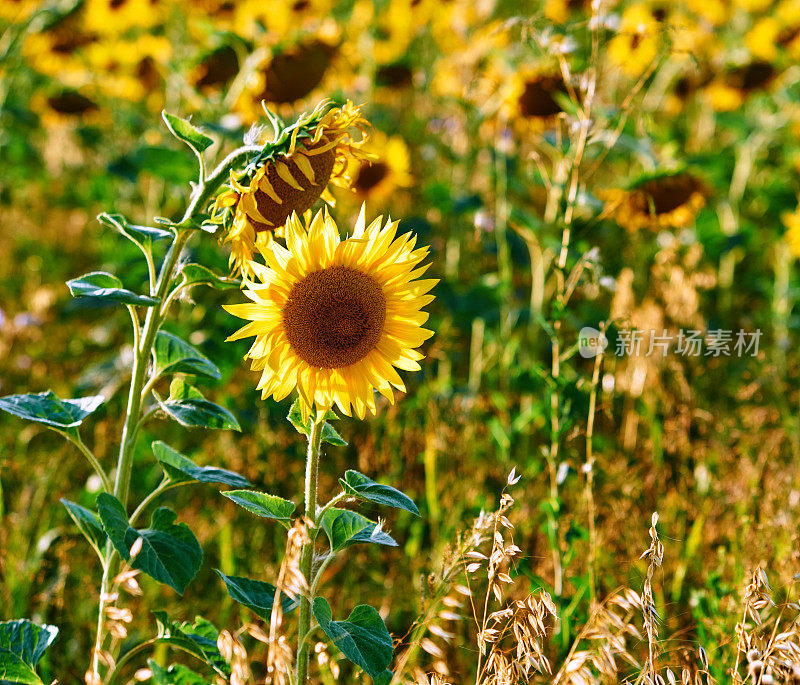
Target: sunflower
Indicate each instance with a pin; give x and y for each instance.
(388, 168)
(731, 89)
(286, 75)
(560, 11)
(215, 69)
(292, 172)
(532, 96)
(670, 200)
(114, 17)
(792, 222)
(333, 317)
(636, 44)
(17, 10)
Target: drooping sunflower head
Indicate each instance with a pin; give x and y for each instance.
(291, 173)
(670, 200)
(332, 318)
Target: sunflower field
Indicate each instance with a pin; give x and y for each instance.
(415, 342)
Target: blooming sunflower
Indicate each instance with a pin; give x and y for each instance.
(114, 17)
(731, 89)
(531, 97)
(670, 200)
(333, 318)
(387, 169)
(291, 173)
(636, 44)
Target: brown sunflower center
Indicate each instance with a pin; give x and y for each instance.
(334, 317)
(752, 76)
(293, 74)
(537, 99)
(70, 102)
(669, 193)
(294, 199)
(218, 67)
(370, 175)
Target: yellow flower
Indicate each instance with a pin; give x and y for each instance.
(278, 17)
(667, 201)
(559, 11)
(214, 69)
(761, 39)
(531, 96)
(636, 44)
(114, 17)
(65, 105)
(729, 91)
(292, 172)
(17, 10)
(388, 168)
(792, 222)
(56, 52)
(333, 318)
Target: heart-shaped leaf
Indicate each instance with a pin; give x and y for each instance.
(169, 553)
(256, 595)
(89, 524)
(345, 528)
(107, 287)
(198, 638)
(173, 355)
(51, 410)
(180, 469)
(22, 644)
(357, 484)
(362, 638)
(188, 407)
(143, 236)
(187, 132)
(195, 274)
(176, 674)
(263, 504)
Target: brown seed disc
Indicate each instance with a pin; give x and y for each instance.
(334, 317)
(294, 200)
(293, 74)
(370, 175)
(668, 193)
(71, 102)
(537, 99)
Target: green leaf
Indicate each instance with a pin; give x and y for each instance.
(175, 675)
(357, 484)
(89, 524)
(198, 638)
(195, 274)
(329, 433)
(181, 469)
(187, 132)
(22, 644)
(345, 528)
(143, 236)
(263, 504)
(362, 638)
(256, 595)
(170, 553)
(104, 286)
(188, 407)
(173, 355)
(49, 409)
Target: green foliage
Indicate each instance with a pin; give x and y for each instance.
(345, 528)
(263, 504)
(176, 674)
(142, 236)
(105, 287)
(188, 407)
(47, 408)
(256, 595)
(184, 130)
(180, 469)
(89, 524)
(22, 644)
(197, 274)
(362, 638)
(329, 433)
(358, 485)
(198, 639)
(173, 355)
(169, 553)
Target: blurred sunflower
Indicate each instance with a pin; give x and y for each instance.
(729, 90)
(334, 317)
(775, 33)
(64, 106)
(17, 10)
(278, 17)
(114, 17)
(57, 52)
(637, 42)
(291, 173)
(376, 179)
(531, 97)
(560, 11)
(288, 74)
(667, 200)
(792, 222)
(214, 69)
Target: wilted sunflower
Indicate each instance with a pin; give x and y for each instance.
(333, 318)
(291, 173)
(670, 200)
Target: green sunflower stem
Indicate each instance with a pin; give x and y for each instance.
(307, 555)
(142, 350)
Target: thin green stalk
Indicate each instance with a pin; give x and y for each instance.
(307, 555)
(78, 442)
